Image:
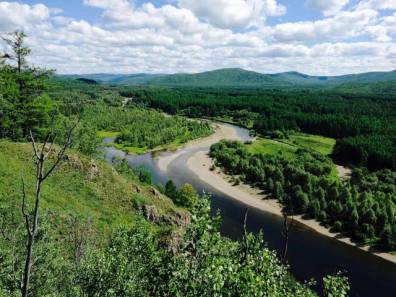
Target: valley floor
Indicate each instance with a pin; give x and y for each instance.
(200, 164)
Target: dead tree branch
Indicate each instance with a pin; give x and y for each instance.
(41, 155)
(287, 226)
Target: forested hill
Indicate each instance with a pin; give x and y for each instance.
(243, 78)
(236, 77)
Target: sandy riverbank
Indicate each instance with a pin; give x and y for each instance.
(200, 164)
(221, 132)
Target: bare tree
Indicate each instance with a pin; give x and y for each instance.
(245, 239)
(41, 155)
(287, 226)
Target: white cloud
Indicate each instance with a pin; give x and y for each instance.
(377, 4)
(108, 4)
(379, 33)
(390, 23)
(181, 37)
(14, 15)
(328, 7)
(233, 13)
(343, 25)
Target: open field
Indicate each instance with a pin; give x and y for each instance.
(287, 147)
(107, 134)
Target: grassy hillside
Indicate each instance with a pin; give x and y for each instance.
(82, 187)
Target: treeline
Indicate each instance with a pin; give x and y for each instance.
(363, 208)
(24, 104)
(360, 123)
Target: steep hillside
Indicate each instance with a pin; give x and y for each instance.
(83, 188)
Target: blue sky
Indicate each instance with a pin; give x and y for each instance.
(127, 36)
(77, 9)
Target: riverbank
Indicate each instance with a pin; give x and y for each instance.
(220, 132)
(200, 164)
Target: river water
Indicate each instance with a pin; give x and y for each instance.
(310, 255)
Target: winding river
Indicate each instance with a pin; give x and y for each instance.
(310, 254)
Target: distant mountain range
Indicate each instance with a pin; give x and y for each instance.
(236, 77)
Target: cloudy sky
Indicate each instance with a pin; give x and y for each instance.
(321, 37)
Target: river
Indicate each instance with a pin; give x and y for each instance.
(310, 254)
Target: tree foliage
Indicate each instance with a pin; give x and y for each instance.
(363, 124)
(363, 207)
(24, 105)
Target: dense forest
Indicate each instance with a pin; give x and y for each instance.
(363, 124)
(72, 225)
(363, 208)
(140, 127)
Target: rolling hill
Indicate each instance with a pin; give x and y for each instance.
(236, 77)
(119, 79)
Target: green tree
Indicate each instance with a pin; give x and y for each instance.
(135, 263)
(388, 237)
(301, 200)
(170, 189)
(314, 208)
(278, 191)
(336, 286)
(187, 196)
(24, 104)
(87, 141)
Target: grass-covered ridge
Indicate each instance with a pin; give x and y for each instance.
(86, 188)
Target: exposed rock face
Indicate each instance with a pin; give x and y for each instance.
(136, 189)
(174, 241)
(155, 192)
(152, 214)
(91, 168)
(179, 218)
(73, 161)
